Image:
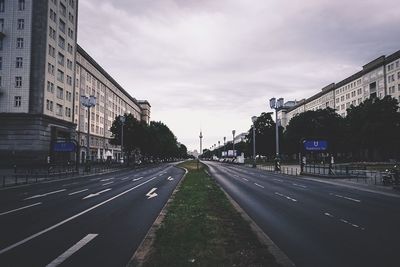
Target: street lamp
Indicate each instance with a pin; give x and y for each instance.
(122, 120)
(254, 119)
(88, 102)
(233, 142)
(276, 104)
(201, 143)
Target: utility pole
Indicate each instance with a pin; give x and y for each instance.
(88, 102)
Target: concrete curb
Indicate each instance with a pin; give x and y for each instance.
(144, 249)
(281, 258)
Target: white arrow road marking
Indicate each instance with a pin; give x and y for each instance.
(72, 250)
(151, 193)
(46, 194)
(137, 179)
(77, 192)
(29, 238)
(11, 211)
(348, 198)
(170, 178)
(287, 197)
(96, 194)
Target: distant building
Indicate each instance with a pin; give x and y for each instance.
(43, 72)
(378, 78)
(240, 137)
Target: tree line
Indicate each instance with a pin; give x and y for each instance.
(369, 132)
(146, 142)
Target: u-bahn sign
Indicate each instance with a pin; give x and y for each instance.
(315, 145)
(64, 147)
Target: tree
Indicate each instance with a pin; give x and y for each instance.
(322, 124)
(373, 129)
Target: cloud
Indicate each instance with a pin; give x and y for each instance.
(215, 63)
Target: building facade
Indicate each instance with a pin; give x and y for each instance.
(378, 78)
(41, 71)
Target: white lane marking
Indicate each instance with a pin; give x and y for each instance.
(105, 180)
(107, 183)
(278, 180)
(329, 215)
(70, 184)
(151, 193)
(71, 250)
(170, 178)
(287, 197)
(25, 207)
(96, 194)
(352, 224)
(71, 218)
(348, 198)
(259, 185)
(299, 185)
(245, 179)
(137, 179)
(160, 174)
(123, 179)
(77, 192)
(46, 194)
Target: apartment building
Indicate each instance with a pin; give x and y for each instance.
(378, 78)
(43, 75)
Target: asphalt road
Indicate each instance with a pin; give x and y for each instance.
(93, 221)
(314, 223)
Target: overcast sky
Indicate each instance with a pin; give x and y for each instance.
(213, 64)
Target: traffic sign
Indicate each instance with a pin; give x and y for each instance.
(64, 147)
(315, 145)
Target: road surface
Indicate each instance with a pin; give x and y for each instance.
(314, 223)
(93, 221)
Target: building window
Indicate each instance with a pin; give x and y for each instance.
(68, 96)
(0, 81)
(70, 49)
(71, 3)
(71, 18)
(1, 5)
(17, 101)
(61, 59)
(69, 64)
(21, 5)
(20, 43)
(59, 110)
(61, 25)
(60, 93)
(19, 63)
(61, 42)
(1, 43)
(70, 33)
(50, 68)
(50, 87)
(68, 112)
(18, 82)
(60, 76)
(52, 33)
(69, 80)
(21, 24)
(63, 9)
(53, 15)
(49, 105)
(1, 25)
(52, 51)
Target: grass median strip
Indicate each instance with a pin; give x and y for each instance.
(202, 228)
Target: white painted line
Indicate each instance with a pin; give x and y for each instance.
(107, 183)
(70, 184)
(71, 218)
(96, 194)
(352, 224)
(46, 194)
(348, 198)
(329, 215)
(137, 179)
(72, 250)
(278, 180)
(245, 179)
(259, 185)
(77, 192)
(105, 180)
(160, 174)
(287, 197)
(25, 207)
(299, 185)
(123, 179)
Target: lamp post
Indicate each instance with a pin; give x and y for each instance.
(254, 119)
(88, 102)
(225, 145)
(122, 120)
(233, 142)
(201, 142)
(276, 104)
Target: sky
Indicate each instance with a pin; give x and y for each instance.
(213, 64)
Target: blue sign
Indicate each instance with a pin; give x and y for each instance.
(64, 147)
(315, 145)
